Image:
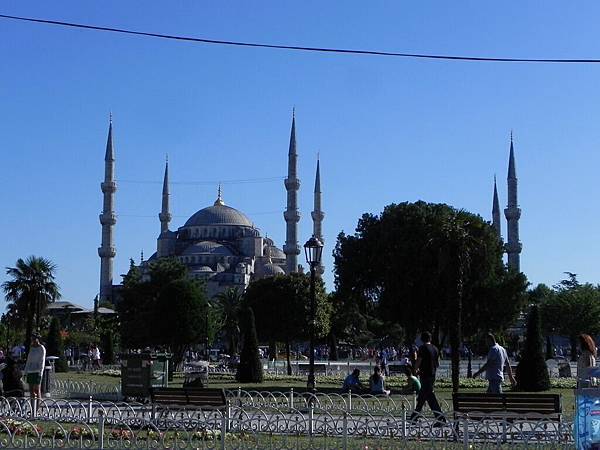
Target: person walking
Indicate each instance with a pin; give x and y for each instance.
(586, 359)
(497, 362)
(428, 360)
(95, 357)
(34, 369)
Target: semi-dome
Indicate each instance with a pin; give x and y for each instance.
(270, 270)
(218, 214)
(275, 252)
(207, 247)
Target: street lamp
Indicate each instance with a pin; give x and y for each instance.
(313, 250)
(206, 342)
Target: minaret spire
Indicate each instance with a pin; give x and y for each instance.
(291, 214)
(513, 214)
(165, 241)
(219, 201)
(108, 219)
(317, 214)
(165, 213)
(496, 211)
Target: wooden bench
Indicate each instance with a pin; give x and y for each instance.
(509, 405)
(196, 397)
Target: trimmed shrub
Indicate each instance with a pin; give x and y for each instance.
(55, 347)
(532, 371)
(250, 368)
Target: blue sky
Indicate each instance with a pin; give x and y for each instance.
(387, 129)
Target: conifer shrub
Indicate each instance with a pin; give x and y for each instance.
(532, 371)
(250, 367)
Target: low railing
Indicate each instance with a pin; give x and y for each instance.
(84, 389)
(64, 423)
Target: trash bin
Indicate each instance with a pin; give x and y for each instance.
(46, 380)
(564, 370)
(141, 371)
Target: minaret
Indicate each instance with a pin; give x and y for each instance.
(496, 211)
(165, 217)
(291, 214)
(317, 214)
(513, 214)
(108, 219)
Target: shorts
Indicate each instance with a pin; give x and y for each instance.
(34, 379)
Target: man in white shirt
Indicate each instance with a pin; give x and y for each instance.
(497, 362)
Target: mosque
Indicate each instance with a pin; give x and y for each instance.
(219, 244)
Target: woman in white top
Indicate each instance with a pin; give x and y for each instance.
(34, 368)
(586, 359)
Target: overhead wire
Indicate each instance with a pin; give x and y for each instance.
(304, 48)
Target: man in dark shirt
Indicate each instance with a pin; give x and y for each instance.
(426, 365)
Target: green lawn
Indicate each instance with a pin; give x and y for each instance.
(325, 384)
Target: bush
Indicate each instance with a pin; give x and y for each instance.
(55, 347)
(108, 348)
(532, 371)
(250, 368)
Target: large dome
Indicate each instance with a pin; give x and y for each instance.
(218, 214)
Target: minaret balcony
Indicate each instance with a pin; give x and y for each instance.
(164, 217)
(108, 218)
(512, 213)
(317, 215)
(513, 247)
(108, 187)
(291, 215)
(107, 252)
(291, 249)
(292, 184)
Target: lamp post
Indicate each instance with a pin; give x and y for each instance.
(313, 250)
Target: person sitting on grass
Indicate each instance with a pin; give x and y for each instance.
(352, 383)
(12, 379)
(377, 382)
(413, 385)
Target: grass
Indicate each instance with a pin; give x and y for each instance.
(325, 384)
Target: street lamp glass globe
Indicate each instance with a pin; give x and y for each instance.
(313, 250)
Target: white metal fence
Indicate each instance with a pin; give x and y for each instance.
(95, 424)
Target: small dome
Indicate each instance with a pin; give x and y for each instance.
(218, 214)
(204, 269)
(276, 253)
(207, 247)
(270, 270)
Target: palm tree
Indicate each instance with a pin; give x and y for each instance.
(228, 304)
(30, 290)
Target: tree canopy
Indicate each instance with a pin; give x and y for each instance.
(163, 308)
(31, 287)
(281, 308)
(571, 309)
(415, 261)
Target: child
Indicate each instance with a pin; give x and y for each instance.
(413, 385)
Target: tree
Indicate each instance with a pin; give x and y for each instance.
(250, 368)
(31, 287)
(108, 348)
(163, 307)
(532, 371)
(429, 266)
(281, 308)
(55, 346)
(571, 310)
(228, 304)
